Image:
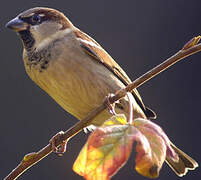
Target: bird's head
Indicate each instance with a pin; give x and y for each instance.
(38, 25)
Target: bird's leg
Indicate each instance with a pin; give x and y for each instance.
(61, 149)
(110, 106)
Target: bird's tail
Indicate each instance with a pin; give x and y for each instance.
(184, 164)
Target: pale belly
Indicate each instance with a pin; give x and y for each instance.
(79, 89)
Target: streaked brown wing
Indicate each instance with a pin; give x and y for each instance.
(92, 48)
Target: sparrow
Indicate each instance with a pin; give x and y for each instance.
(76, 71)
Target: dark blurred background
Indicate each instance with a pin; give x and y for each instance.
(139, 35)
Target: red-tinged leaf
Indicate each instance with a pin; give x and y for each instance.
(160, 145)
(108, 149)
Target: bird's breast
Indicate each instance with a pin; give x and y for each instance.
(77, 83)
(77, 86)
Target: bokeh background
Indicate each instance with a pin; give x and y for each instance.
(139, 35)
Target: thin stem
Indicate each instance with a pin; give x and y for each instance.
(130, 97)
(31, 159)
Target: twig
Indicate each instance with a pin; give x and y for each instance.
(30, 159)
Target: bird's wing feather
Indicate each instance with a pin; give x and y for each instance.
(92, 48)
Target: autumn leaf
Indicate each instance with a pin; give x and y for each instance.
(109, 147)
(106, 150)
(150, 164)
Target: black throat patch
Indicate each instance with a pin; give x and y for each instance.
(37, 58)
(34, 58)
(27, 39)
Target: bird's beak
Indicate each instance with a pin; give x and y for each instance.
(17, 25)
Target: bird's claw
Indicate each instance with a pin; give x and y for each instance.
(61, 149)
(111, 106)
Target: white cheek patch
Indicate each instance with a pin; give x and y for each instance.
(35, 27)
(57, 35)
(33, 30)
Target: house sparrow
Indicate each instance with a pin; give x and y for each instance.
(76, 71)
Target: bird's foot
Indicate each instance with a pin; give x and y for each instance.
(61, 149)
(111, 106)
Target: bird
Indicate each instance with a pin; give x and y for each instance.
(73, 69)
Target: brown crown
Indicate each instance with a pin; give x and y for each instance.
(50, 15)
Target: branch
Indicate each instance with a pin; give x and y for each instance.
(29, 160)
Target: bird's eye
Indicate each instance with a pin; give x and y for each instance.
(35, 19)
